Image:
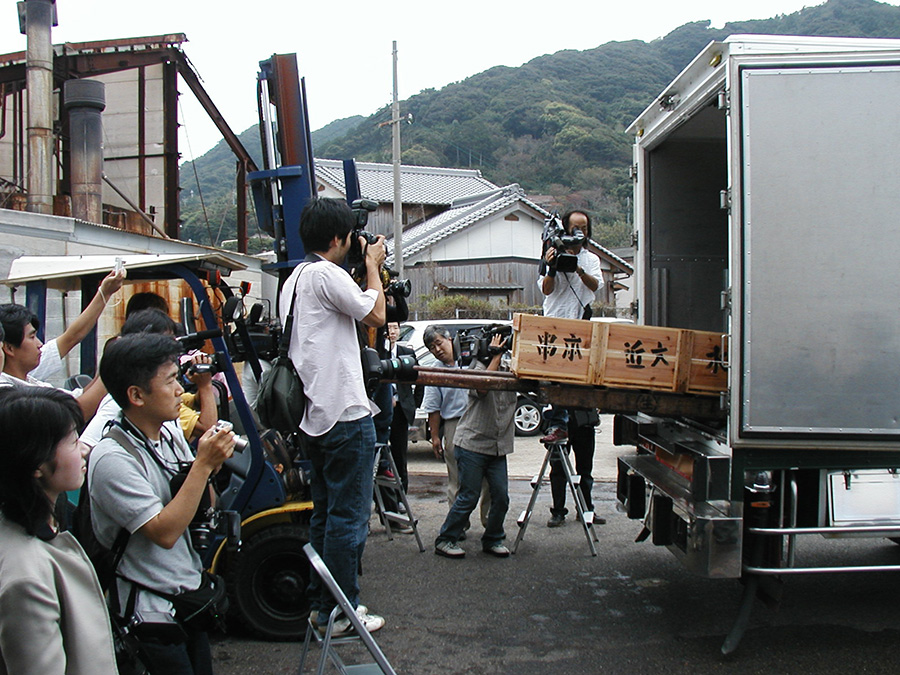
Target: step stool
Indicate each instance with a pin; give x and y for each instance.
(559, 452)
(328, 643)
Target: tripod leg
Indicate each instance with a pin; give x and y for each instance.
(536, 488)
(583, 515)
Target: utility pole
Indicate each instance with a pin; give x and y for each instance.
(395, 156)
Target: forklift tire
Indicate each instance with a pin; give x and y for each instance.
(268, 582)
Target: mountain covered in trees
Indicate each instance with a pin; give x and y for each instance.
(555, 125)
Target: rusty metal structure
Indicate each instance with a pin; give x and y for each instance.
(140, 166)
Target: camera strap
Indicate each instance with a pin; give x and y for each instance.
(284, 342)
(125, 432)
(574, 292)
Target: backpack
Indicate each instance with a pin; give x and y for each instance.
(105, 560)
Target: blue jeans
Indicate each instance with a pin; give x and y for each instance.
(556, 416)
(341, 485)
(473, 468)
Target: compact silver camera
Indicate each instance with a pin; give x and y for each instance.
(240, 444)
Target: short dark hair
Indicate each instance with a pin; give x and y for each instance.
(146, 300)
(33, 421)
(134, 360)
(149, 321)
(430, 333)
(323, 219)
(568, 214)
(14, 318)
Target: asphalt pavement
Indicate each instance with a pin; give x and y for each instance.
(554, 608)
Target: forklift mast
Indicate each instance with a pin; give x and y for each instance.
(288, 180)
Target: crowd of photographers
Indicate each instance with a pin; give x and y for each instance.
(154, 451)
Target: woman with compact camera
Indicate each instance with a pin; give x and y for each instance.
(53, 618)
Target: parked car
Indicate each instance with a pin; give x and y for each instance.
(528, 417)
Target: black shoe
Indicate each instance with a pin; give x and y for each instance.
(556, 520)
(599, 520)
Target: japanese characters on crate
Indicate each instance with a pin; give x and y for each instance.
(620, 355)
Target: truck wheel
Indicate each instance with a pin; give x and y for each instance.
(268, 583)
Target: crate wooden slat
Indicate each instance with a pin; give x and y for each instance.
(709, 356)
(548, 348)
(644, 357)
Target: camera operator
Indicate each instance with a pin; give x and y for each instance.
(445, 406)
(337, 431)
(129, 479)
(484, 437)
(569, 295)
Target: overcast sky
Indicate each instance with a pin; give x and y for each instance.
(344, 47)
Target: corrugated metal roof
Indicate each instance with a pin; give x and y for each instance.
(418, 184)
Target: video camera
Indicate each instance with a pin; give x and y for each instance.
(475, 343)
(264, 333)
(194, 341)
(555, 235)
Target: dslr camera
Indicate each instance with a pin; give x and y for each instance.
(361, 209)
(208, 521)
(393, 286)
(475, 343)
(375, 369)
(555, 235)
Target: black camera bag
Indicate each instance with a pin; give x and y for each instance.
(281, 403)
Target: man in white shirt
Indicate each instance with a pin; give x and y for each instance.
(54, 351)
(569, 295)
(22, 351)
(337, 429)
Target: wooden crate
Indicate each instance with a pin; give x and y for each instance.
(709, 358)
(561, 350)
(619, 355)
(643, 357)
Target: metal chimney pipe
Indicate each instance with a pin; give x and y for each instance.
(84, 101)
(39, 83)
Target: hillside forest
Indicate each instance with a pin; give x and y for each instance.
(555, 125)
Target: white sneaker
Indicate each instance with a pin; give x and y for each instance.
(372, 622)
(449, 549)
(343, 627)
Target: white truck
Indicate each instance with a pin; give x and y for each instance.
(767, 207)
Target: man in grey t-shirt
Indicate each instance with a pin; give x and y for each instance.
(129, 488)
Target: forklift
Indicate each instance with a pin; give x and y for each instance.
(268, 574)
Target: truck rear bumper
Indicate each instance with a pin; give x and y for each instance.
(705, 535)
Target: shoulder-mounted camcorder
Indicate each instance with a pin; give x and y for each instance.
(555, 235)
